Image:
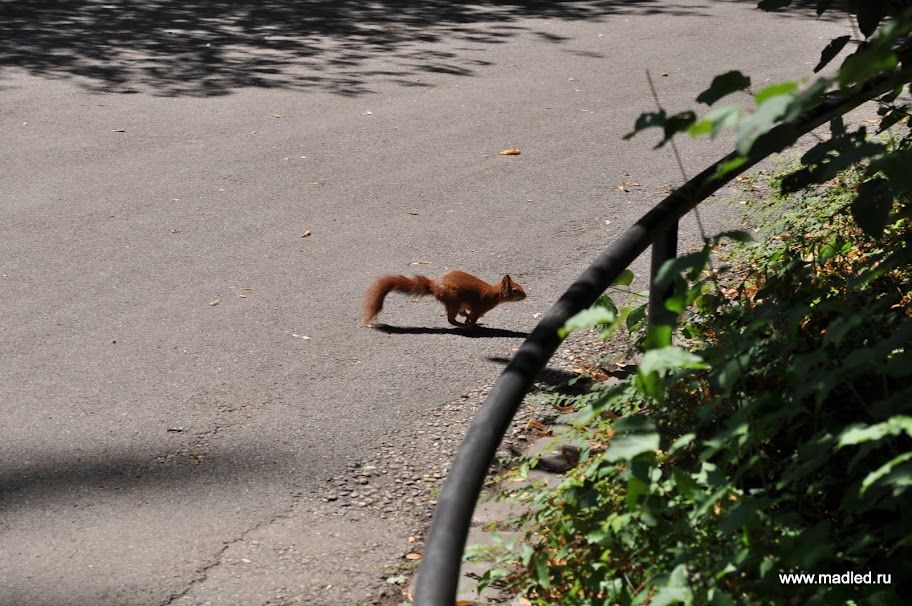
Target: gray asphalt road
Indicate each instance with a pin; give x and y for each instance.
(181, 372)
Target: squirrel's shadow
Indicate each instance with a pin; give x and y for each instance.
(475, 332)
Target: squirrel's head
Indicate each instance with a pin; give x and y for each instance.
(510, 290)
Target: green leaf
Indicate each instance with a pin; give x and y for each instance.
(859, 434)
(669, 358)
(887, 468)
(634, 424)
(543, 572)
(832, 49)
(722, 85)
(741, 515)
(673, 590)
(685, 484)
(606, 302)
(811, 95)
(624, 279)
(865, 63)
(594, 316)
(671, 269)
(871, 207)
(715, 120)
(634, 436)
(775, 90)
(730, 373)
(729, 166)
(635, 489)
(761, 120)
(681, 442)
(658, 335)
(636, 316)
(491, 577)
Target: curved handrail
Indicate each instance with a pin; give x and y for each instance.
(438, 576)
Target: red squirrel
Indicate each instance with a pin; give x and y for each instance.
(461, 293)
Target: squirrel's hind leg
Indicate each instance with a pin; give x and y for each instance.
(453, 311)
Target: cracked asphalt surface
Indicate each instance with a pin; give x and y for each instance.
(182, 375)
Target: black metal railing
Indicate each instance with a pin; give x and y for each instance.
(438, 576)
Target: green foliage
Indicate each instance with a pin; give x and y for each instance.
(778, 437)
(605, 316)
(886, 50)
(779, 440)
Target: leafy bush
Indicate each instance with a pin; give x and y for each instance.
(779, 441)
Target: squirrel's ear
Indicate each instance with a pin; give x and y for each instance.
(507, 280)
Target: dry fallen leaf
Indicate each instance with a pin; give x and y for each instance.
(571, 79)
(413, 556)
(510, 152)
(305, 337)
(306, 234)
(541, 430)
(246, 288)
(419, 262)
(367, 114)
(198, 460)
(873, 120)
(216, 302)
(623, 186)
(118, 130)
(664, 74)
(277, 115)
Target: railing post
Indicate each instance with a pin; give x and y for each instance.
(665, 247)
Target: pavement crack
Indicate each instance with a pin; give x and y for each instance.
(202, 573)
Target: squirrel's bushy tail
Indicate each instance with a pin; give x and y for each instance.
(373, 298)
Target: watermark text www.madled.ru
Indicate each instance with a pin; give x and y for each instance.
(840, 578)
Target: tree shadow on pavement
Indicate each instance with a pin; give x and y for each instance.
(92, 476)
(197, 48)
